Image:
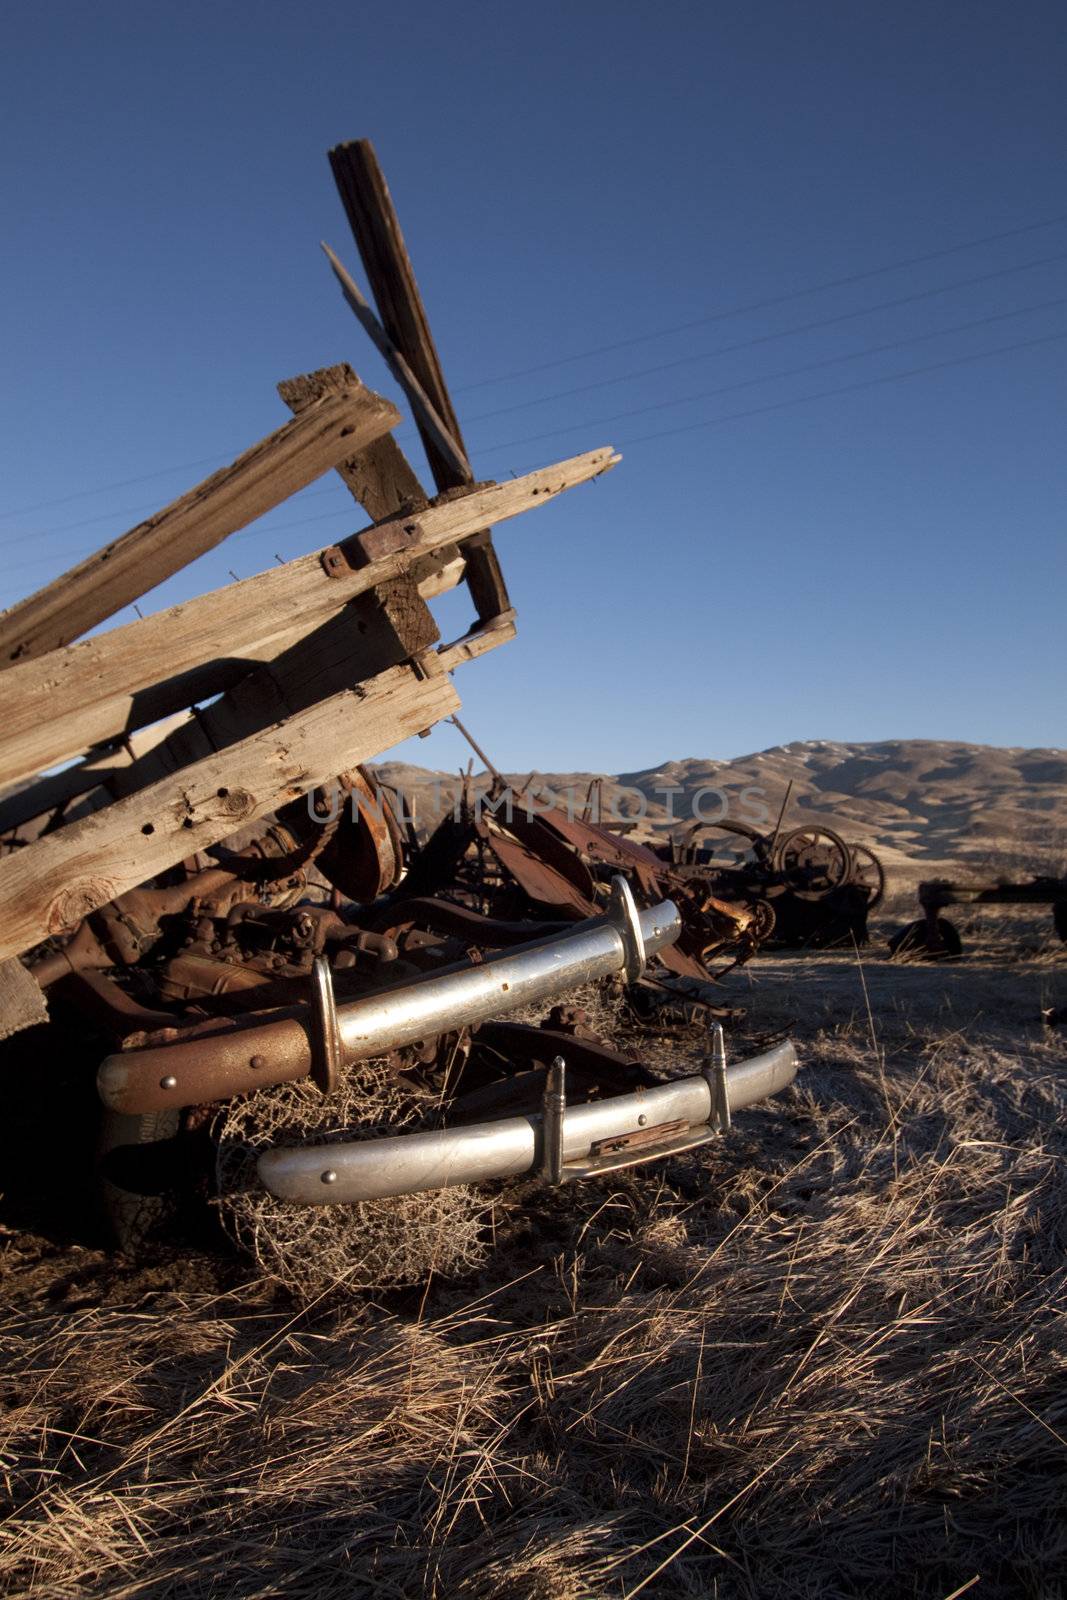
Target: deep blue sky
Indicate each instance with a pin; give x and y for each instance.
(883, 562)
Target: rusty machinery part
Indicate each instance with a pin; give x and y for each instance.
(543, 866)
(935, 938)
(256, 946)
(682, 850)
(815, 859)
(506, 1067)
(867, 873)
(244, 1058)
(454, 921)
(363, 854)
(763, 921)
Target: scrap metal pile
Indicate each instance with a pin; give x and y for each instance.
(177, 871)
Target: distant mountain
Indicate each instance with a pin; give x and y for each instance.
(923, 803)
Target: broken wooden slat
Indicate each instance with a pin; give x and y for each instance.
(478, 642)
(36, 802)
(380, 477)
(386, 492)
(52, 884)
(378, 630)
(91, 692)
(374, 222)
(376, 227)
(137, 561)
(429, 423)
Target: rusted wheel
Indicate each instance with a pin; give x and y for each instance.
(763, 922)
(815, 859)
(868, 873)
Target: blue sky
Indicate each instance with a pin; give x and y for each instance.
(592, 194)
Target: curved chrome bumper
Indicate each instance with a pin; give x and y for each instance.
(598, 1137)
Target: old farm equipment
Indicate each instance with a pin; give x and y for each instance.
(513, 854)
(934, 938)
(805, 886)
(177, 876)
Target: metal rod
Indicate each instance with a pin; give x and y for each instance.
(553, 1114)
(781, 817)
(421, 403)
(719, 1081)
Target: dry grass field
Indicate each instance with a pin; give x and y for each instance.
(825, 1357)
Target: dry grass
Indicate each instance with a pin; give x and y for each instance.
(826, 1358)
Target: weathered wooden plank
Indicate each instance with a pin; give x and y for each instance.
(29, 808)
(97, 690)
(376, 228)
(374, 222)
(137, 561)
(374, 632)
(478, 642)
(52, 884)
(380, 477)
(429, 423)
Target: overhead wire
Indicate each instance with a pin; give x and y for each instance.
(765, 304)
(784, 372)
(618, 344)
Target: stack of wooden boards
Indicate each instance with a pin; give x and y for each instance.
(308, 669)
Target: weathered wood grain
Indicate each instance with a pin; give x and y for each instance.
(379, 477)
(429, 423)
(52, 884)
(372, 217)
(137, 561)
(374, 632)
(88, 693)
(376, 227)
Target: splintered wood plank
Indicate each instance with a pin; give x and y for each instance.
(53, 883)
(382, 472)
(375, 631)
(374, 222)
(137, 561)
(31, 807)
(380, 477)
(87, 693)
(376, 227)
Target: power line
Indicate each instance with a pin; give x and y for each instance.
(666, 366)
(122, 483)
(769, 338)
(782, 405)
(763, 305)
(245, 533)
(618, 344)
(849, 388)
(786, 372)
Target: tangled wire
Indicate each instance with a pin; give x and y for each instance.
(372, 1244)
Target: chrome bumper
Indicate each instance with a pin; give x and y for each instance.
(253, 1056)
(564, 1144)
